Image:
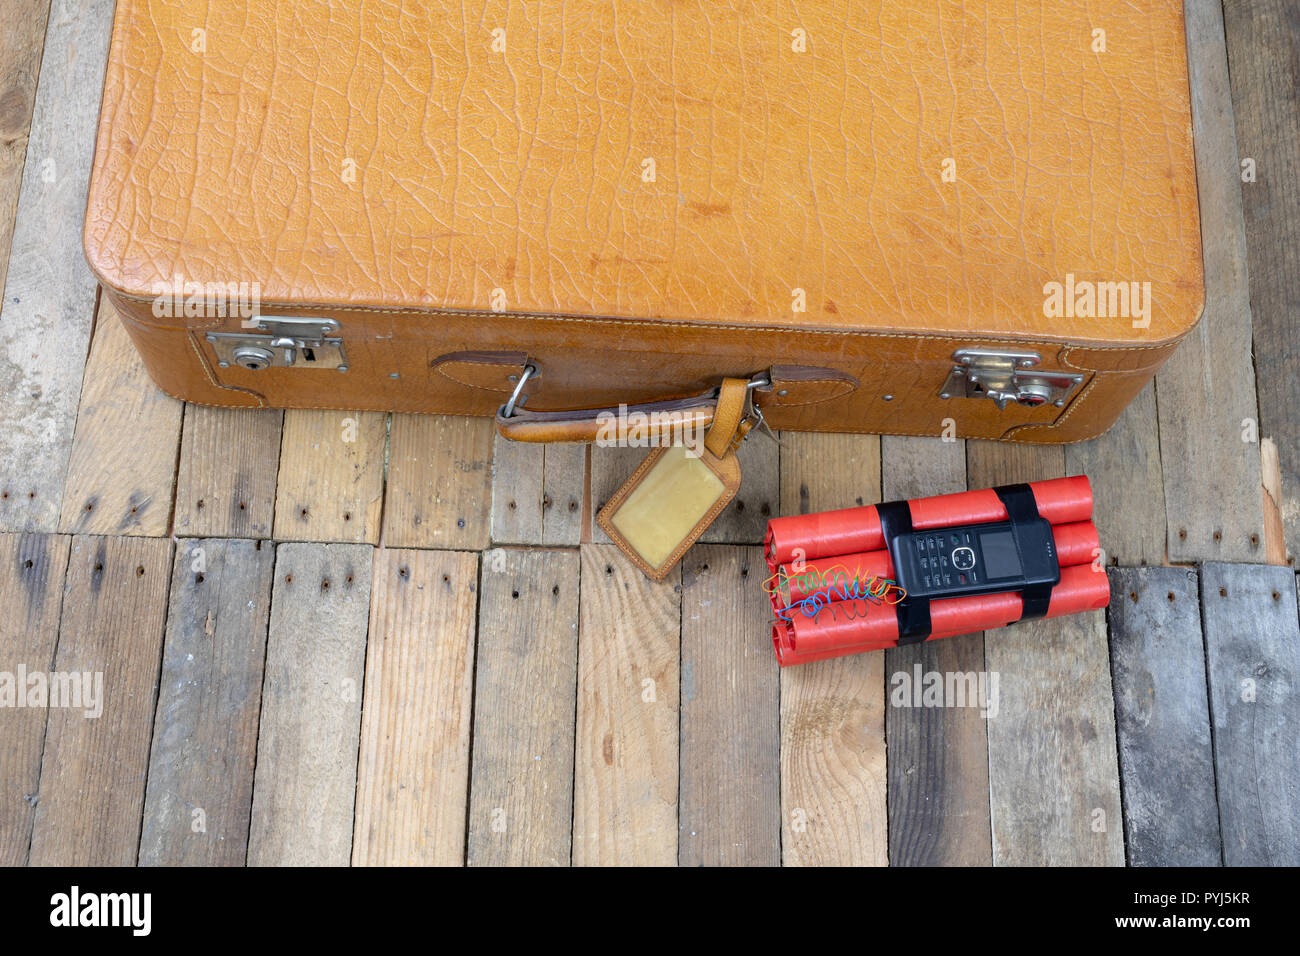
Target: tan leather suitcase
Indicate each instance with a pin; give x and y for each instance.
(889, 217)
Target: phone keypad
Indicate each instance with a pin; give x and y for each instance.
(934, 557)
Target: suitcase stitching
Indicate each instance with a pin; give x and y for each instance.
(673, 323)
(1064, 357)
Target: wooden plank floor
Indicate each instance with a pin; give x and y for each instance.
(333, 638)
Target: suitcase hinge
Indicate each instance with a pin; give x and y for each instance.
(1007, 377)
(281, 342)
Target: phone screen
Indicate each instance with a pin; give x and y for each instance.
(1001, 559)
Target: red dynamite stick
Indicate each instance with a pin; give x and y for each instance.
(857, 530)
(1076, 543)
(1081, 589)
(839, 631)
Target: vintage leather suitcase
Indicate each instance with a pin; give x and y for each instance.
(890, 217)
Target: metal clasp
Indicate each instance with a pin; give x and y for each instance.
(1007, 376)
(282, 342)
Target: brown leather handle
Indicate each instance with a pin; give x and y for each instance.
(656, 421)
(787, 385)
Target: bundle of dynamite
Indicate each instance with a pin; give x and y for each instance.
(863, 579)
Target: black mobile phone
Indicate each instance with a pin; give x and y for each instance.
(975, 559)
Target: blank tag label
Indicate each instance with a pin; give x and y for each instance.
(668, 504)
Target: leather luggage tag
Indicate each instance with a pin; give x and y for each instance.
(677, 492)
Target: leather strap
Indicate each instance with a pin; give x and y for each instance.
(726, 416)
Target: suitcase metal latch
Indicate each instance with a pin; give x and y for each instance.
(282, 342)
(1007, 377)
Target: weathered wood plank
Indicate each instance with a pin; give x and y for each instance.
(537, 492)
(1127, 484)
(32, 571)
(518, 469)
(625, 776)
(439, 482)
(744, 520)
(821, 471)
(1166, 759)
(1053, 772)
(1263, 48)
(1275, 547)
(521, 790)
(833, 773)
(730, 798)
(938, 756)
(331, 479)
(564, 490)
(413, 773)
(1206, 391)
(990, 463)
(305, 783)
(122, 470)
(1252, 647)
(20, 61)
(200, 790)
(96, 757)
(49, 293)
(833, 761)
(226, 483)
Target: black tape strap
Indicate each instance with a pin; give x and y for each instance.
(913, 612)
(1022, 508)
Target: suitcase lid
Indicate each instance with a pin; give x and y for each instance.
(909, 168)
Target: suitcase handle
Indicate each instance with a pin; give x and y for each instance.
(781, 386)
(656, 421)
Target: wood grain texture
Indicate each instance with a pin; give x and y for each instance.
(1206, 391)
(1166, 758)
(833, 774)
(305, 785)
(94, 767)
(744, 520)
(1275, 546)
(729, 809)
(200, 791)
(537, 492)
(122, 471)
(32, 571)
(521, 789)
(518, 469)
(439, 482)
(833, 761)
(822, 471)
(1127, 485)
(49, 293)
(564, 491)
(331, 479)
(629, 656)
(1264, 58)
(225, 487)
(20, 62)
(413, 772)
(1252, 650)
(938, 758)
(1053, 772)
(989, 464)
